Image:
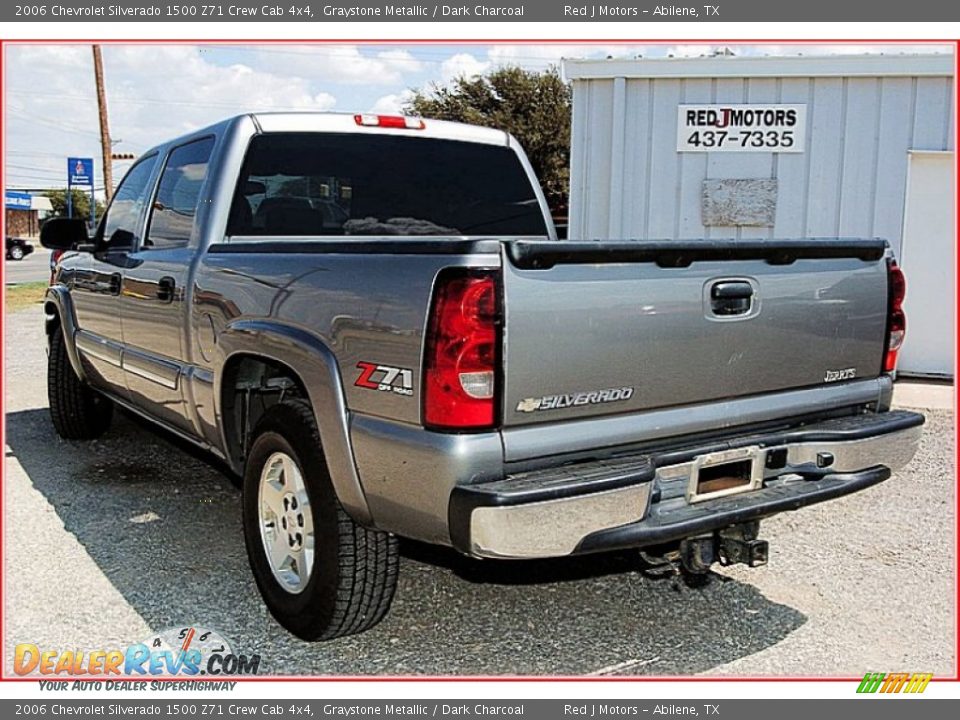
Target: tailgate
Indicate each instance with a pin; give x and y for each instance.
(601, 328)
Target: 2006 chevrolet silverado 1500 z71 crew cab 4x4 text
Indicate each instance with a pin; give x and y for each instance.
(370, 320)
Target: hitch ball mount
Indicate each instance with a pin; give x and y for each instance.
(734, 545)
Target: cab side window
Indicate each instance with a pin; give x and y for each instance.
(178, 196)
(120, 227)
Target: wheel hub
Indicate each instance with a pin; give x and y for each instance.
(292, 522)
(286, 522)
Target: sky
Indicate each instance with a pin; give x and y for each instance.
(156, 92)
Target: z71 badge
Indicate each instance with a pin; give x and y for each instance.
(385, 378)
(557, 402)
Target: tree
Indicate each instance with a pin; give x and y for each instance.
(534, 107)
(81, 203)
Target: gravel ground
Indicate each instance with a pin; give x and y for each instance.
(108, 541)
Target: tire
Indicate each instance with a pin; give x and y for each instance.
(16, 253)
(78, 411)
(349, 584)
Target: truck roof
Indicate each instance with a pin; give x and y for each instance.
(344, 122)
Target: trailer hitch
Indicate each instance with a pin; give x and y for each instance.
(737, 544)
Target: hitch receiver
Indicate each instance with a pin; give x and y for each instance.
(739, 544)
(730, 546)
(697, 554)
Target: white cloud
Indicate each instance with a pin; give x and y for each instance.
(690, 50)
(401, 60)
(323, 101)
(392, 104)
(335, 63)
(461, 65)
(854, 49)
(540, 56)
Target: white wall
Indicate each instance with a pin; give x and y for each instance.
(629, 181)
(928, 257)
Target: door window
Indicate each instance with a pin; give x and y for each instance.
(120, 229)
(175, 206)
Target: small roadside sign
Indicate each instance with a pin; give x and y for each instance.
(80, 172)
(14, 200)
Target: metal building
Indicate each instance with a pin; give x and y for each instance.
(778, 147)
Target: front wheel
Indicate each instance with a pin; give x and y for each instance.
(16, 253)
(321, 574)
(78, 411)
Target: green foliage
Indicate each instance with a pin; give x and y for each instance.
(534, 107)
(81, 203)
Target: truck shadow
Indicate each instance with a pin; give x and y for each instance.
(163, 526)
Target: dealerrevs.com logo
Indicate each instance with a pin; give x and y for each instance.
(175, 652)
(890, 683)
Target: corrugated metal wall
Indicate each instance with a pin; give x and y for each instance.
(629, 181)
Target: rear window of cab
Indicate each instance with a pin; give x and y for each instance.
(335, 184)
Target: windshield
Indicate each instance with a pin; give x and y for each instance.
(313, 184)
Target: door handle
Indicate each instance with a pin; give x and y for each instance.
(116, 281)
(731, 297)
(166, 287)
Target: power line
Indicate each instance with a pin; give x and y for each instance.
(158, 101)
(53, 124)
(30, 167)
(20, 187)
(36, 152)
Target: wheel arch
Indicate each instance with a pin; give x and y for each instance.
(313, 367)
(58, 312)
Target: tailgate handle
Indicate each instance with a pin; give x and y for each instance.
(731, 297)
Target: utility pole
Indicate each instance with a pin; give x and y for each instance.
(105, 143)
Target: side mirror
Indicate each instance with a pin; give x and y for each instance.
(64, 233)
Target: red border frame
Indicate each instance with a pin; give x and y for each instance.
(500, 41)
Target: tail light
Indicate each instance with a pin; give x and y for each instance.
(400, 122)
(462, 352)
(896, 320)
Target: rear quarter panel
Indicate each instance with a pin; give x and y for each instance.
(366, 308)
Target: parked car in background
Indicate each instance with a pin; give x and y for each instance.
(18, 248)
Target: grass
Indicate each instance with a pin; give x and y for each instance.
(24, 295)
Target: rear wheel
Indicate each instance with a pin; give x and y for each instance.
(78, 411)
(16, 252)
(321, 574)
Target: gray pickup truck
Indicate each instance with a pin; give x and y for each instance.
(370, 320)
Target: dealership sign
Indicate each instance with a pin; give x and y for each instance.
(741, 128)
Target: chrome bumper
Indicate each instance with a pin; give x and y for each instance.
(642, 500)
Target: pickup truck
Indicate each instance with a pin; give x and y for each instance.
(371, 321)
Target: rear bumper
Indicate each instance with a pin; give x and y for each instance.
(642, 500)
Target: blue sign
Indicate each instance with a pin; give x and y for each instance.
(80, 171)
(17, 200)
